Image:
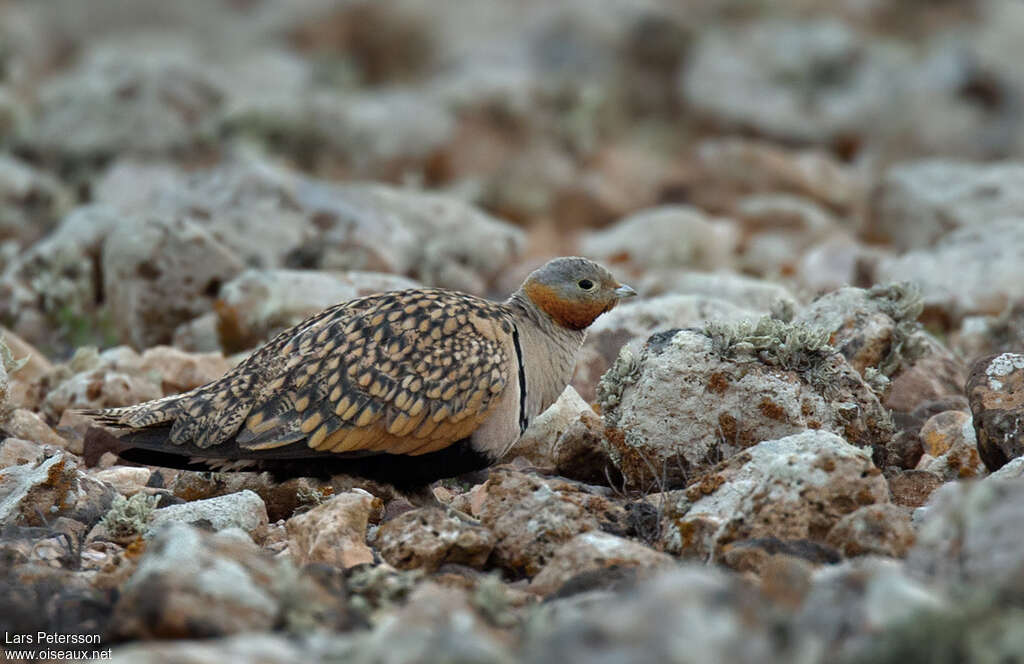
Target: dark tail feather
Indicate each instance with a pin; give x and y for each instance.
(99, 441)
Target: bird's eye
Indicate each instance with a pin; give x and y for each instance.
(585, 284)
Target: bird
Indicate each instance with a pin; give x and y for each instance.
(403, 387)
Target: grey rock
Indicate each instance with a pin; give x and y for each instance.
(694, 614)
(799, 80)
(428, 538)
(995, 389)
(849, 604)
(968, 533)
(33, 494)
(667, 237)
(244, 510)
(119, 99)
(17, 452)
(436, 239)
(723, 395)
(373, 134)
(594, 551)
(919, 202)
(757, 295)
(192, 584)
(882, 530)
(794, 488)
(34, 201)
(51, 286)
(164, 273)
(532, 516)
(247, 204)
(631, 323)
(987, 275)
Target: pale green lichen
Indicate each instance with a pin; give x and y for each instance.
(794, 346)
(375, 589)
(129, 517)
(491, 598)
(8, 365)
(624, 372)
(902, 302)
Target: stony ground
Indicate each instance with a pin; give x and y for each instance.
(802, 443)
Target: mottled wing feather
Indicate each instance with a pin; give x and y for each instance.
(407, 372)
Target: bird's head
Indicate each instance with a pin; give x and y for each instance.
(574, 291)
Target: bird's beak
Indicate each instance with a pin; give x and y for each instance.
(624, 291)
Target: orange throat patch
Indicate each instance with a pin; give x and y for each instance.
(576, 315)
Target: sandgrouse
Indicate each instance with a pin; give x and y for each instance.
(405, 387)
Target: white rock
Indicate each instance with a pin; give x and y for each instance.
(671, 236)
(919, 202)
(244, 510)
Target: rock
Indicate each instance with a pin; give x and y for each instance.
(727, 392)
(333, 532)
(581, 452)
(247, 205)
(1012, 470)
(257, 304)
(777, 562)
(695, 613)
(282, 499)
(49, 291)
(198, 335)
(23, 390)
(244, 510)
(995, 389)
(879, 530)
(792, 488)
(192, 584)
(849, 604)
(372, 134)
(117, 99)
(912, 488)
(990, 335)
(594, 551)
(780, 228)
(34, 201)
(436, 239)
(164, 273)
(436, 624)
(428, 538)
(126, 480)
(918, 203)
(99, 388)
(986, 279)
(742, 165)
(17, 452)
(630, 324)
(536, 444)
(30, 426)
(969, 534)
(870, 327)
(176, 371)
(950, 446)
(838, 261)
(876, 330)
(33, 494)
(246, 647)
(751, 295)
(666, 237)
(531, 517)
(767, 76)
(120, 377)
